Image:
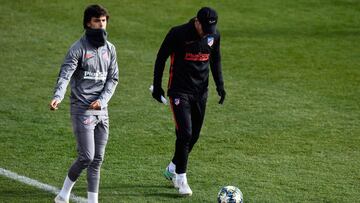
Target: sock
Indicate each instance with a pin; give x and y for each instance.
(171, 167)
(92, 197)
(181, 178)
(66, 189)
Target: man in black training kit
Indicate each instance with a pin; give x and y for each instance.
(192, 47)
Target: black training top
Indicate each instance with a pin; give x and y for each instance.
(190, 58)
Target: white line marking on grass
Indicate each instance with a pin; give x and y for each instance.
(37, 184)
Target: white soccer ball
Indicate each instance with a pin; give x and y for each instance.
(230, 194)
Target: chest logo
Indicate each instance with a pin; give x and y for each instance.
(196, 57)
(95, 75)
(210, 41)
(105, 56)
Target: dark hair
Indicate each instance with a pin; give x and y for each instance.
(94, 11)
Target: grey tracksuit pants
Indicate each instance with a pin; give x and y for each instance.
(91, 132)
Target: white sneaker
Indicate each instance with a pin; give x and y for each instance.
(59, 199)
(184, 188)
(168, 174)
(176, 185)
(171, 176)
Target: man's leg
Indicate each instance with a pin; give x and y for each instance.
(101, 134)
(197, 119)
(83, 128)
(182, 115)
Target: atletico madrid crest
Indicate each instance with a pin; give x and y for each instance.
(210, 41)
(176, 101)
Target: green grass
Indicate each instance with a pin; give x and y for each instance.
(288, 132)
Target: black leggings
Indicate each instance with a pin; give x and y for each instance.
(189, 113)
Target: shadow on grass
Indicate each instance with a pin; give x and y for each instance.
(138, 190)
(131, 186)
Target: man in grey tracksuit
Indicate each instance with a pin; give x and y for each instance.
(92, 70)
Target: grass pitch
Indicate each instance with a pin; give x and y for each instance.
(288, 132)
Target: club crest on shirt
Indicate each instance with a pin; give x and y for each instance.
(105, 55)
(210, 41)
(176, 101)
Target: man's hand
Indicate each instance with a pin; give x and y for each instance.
(95, 105)
(54, 104)
(221, 92)
(157, 93)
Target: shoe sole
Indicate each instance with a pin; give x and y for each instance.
(185, 195)
(59, 200)
(169, 176)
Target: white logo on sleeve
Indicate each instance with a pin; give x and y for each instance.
(95, 75)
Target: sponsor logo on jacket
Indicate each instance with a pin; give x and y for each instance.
(196, 57)
(95, 75)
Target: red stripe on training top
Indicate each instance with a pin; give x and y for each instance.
(171, 69)
(196, 57)
(172, 109)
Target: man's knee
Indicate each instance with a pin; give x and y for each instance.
(184, 135)
(97, 161)
(85, 161)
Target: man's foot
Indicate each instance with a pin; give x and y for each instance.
(170, 176)
(59, 199)
(184, 188)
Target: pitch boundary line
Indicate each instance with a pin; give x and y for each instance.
(37, 184)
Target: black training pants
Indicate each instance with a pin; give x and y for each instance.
(189, 112)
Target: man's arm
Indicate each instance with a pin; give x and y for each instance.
(165, 50)
(111, 82)
(66, 71)
(216, 69)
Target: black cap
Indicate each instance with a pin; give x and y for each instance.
(208, 19)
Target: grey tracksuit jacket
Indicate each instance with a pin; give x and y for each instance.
(93, 75)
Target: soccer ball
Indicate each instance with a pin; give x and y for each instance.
(230, 194)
